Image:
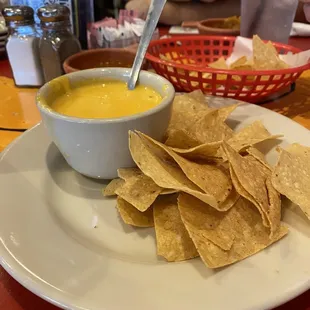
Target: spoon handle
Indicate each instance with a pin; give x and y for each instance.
(153, 15)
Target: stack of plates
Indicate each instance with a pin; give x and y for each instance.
(3, 35)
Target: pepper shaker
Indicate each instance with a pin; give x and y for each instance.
(57, 42)
(23, 46)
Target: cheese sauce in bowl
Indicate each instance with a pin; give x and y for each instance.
(106, 99)
(88, 115)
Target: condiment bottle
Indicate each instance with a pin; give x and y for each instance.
(23, 46)
(57, 41)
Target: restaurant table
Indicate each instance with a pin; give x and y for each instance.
(295, 105)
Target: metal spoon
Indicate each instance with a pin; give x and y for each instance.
(152, 18)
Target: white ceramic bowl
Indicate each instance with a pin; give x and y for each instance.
(98, 147)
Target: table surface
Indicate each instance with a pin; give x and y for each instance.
(295, 106)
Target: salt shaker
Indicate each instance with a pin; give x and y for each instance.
(23, 46)
(270, 19)
(57, 41)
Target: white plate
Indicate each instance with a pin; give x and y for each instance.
(49, 245)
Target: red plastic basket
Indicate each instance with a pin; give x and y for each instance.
(251, 86)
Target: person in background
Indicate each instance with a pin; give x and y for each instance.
(178, 11)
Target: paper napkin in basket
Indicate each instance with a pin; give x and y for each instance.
(243, 47)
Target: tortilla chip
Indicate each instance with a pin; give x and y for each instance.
(212, 180)
(252, 176)
(299, 150)
(206, 127)
(250, 135)
(258, 155)
(174, 57)
(127, 173)
(265, 56)
(168, 191)
(173, 241)
(194, 123)
(180, 139)
(219, 64)
(224, 112)
(185, 110)
(140, 191)
(205, 221)
(199, 96)
(239, 62)
(110, 189)
(211, 128)
(250, 236)
(246, 67)
(242, 192)
(206, 151)
(134, 217)
(291, 176)
(190, 102)
(151, 160)
(243, 64)
(274, 215)
(266, 170)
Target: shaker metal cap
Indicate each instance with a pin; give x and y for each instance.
(53, 13)
(18, 13)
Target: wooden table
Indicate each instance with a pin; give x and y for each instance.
(296, 106)
(17, 109)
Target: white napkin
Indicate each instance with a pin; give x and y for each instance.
(300, 29)
(243, 47)
(126, 31)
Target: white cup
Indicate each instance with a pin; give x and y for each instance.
(98, 147)
(270, 19)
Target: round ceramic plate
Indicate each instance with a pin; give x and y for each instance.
(49, 244)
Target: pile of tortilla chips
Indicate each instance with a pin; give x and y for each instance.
(265, 57)
(208, 190)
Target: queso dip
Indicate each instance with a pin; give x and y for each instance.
(106, 99)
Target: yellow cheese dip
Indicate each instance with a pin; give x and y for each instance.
(106, 99)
